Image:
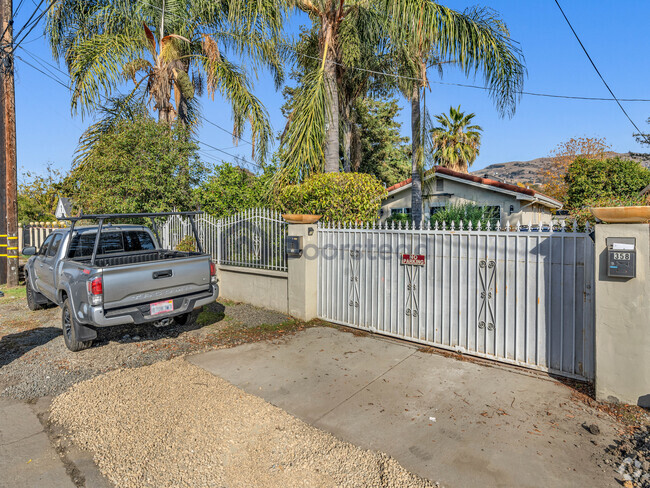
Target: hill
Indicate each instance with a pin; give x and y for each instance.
(530, 171)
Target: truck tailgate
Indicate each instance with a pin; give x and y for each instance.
(138, 283)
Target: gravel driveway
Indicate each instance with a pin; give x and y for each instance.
(173, 424)
(34, 361)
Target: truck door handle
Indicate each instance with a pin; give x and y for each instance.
(50, 268)
(162, 274)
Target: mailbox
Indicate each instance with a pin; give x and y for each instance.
(294, 246)
(621, 257)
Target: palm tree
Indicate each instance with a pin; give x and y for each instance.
(476, 40)
(455, 143)
(347, 33)
(165, 46)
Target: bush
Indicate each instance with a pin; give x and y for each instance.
(467, 213)
(338, 197)
(230, 189)
(453, 213)
(591, 180)
(137, 166)
(187, 244)
(400, 219)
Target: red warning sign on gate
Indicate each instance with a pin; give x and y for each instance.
(413, 259)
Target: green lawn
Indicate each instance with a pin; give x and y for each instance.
(14, 292)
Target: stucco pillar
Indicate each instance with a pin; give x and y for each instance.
(623, 321)
(303, 273)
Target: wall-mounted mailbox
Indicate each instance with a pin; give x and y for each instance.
(294, 246)
(621, 257)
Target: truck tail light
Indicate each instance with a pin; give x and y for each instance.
(213, 273)
(95, 290)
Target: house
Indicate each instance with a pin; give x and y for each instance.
(63, 208)
(512, 204)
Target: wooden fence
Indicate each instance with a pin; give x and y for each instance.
(35, 233)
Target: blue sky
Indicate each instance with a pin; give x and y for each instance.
(615, 37)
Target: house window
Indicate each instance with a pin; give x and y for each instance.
(435, 210)
(397, 211)
(440, 184)
(512, 209)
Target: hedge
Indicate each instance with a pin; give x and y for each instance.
(338, 197)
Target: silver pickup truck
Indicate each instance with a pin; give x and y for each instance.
(112, 274)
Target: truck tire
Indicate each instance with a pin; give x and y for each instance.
(33, 297)
(68, 323)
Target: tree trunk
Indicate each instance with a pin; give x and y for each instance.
(355, 150)
(347, 138)
(416, 158)
(332, 160)
(165, 115)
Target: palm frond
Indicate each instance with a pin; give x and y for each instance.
(301, 147)
(127, 107)
(232, 83)
(132, 68)
(96, 67)
(477, 40)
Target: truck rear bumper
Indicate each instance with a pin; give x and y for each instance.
(140, 314)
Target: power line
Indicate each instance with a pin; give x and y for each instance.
(534, 94)
(38, 19)
(43, 72)
(36, 10)
(45, 62)
(235, 158)
(17, 9)
(598, 72)
(226, 130)
(43, 65)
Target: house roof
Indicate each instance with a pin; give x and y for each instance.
(485, 182)
(66, 203)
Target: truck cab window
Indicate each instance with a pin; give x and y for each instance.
(53, 249)
(43, 250)
(138, 240)
(111, 242)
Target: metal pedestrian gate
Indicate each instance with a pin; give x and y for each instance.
(522, 296)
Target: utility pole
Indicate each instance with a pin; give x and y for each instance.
(8, 149)
(3, 199)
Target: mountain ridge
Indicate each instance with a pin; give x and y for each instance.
(530, 172)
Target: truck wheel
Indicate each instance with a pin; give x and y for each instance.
(68, 323)
(32, 296)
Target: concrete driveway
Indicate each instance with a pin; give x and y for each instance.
(457, 422)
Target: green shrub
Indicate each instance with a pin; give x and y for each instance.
(453, 213)
(399, 219)
(187, 244)
(467, 213)
(590, 180)
(338, 197)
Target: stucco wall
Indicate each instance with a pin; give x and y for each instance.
(456, 193)
(623, 321)
(262, 288)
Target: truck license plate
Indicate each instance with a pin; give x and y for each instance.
(161, 307)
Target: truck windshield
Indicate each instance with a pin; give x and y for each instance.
(111, 241)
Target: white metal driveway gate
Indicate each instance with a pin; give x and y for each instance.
(519, 296)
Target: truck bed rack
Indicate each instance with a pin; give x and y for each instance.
(102, 217)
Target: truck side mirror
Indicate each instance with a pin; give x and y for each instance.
(29, 251)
